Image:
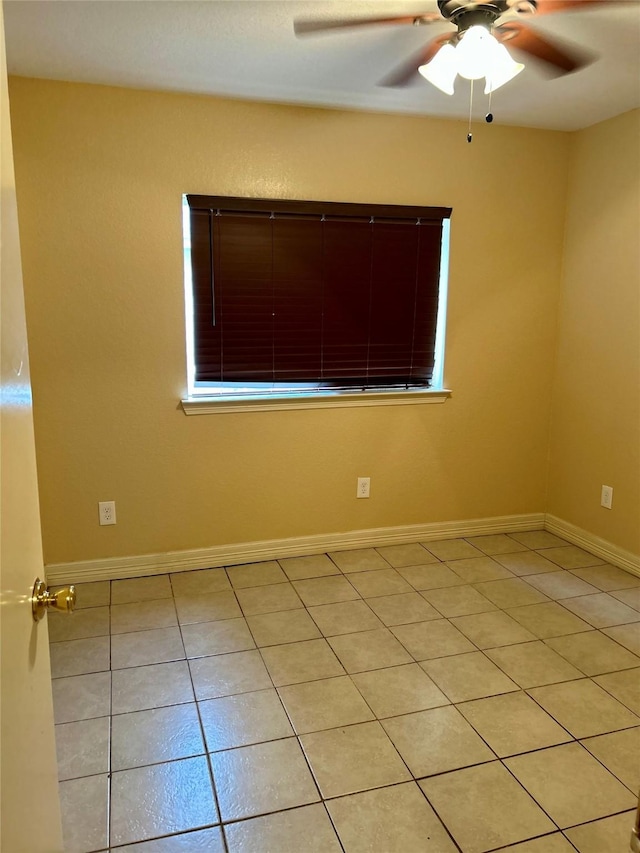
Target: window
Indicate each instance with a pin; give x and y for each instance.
(291, 296)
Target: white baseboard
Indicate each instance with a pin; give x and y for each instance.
(117, 568)
(593, 544)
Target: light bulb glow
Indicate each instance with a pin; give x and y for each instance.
(475, 52)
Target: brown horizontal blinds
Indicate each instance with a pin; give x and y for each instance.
(347, 249)
(297, 299)
(207, 340)
(243, 282)
(336, 295)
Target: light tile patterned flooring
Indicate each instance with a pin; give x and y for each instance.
(462, 695)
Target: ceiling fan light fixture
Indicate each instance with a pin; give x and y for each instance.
(503, 69)
(442, 70)
(477, 54)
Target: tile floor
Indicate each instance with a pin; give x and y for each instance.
(464, 695)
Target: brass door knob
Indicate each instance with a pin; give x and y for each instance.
(42, 599)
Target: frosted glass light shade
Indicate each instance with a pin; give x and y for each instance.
(503, 68)
(442, 69)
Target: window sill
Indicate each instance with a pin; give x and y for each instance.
(223, 404)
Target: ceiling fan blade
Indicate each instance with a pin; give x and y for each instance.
(548, 7)
(405, 73)
(302, 28)
(563, 59)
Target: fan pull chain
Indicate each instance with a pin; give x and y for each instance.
(469, 134)
(489, 116)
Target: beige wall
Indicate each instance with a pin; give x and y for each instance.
(100, 173)
(595, 437)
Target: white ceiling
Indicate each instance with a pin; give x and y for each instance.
(247, 49)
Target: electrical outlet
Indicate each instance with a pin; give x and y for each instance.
(107, 512)
(364, 484)
(606, 497)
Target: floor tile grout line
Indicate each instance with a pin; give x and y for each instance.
(153, 839)
(381, 727)
(309, 767)
(550, 714)
(440, 818)
(178, 834)
(363, 600)
(435, 811)
(472, 585)
(110, 778)
(313, 776)
(595, 627)
(300, 747)
(206, 751)
(596, 820)
(282, 811)
(557, 598)
(526, 752)
(630, 812)
(562, 829)
(210, 752)
(549, 684)
(335, 828)
(592, 631)
(187, 660)
(414, 780)
(201, 727)
(575, 737)
(555, 832)
(214, 787)
(328, 636)
(264, 663)
(528, 793)
(632, 791)
(572, 737)
(527, 642)
(502, 609)
(322, 800)
(612, 694)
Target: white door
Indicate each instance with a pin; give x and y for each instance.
(29, 807)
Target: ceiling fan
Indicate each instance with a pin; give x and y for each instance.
(477, 48)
